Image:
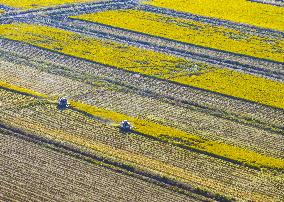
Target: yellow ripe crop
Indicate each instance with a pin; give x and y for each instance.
(192, 141)
(170, 134)
(192, 32)
(20, 89)
(241, 11)
(148, 62)
(28, 4)
(240, 85)
(103, 51)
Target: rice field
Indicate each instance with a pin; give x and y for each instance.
(32, 4)
(190, 31)
(150, 63)
(239, 11)
(200, 82)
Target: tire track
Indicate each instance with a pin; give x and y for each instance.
(262, 67)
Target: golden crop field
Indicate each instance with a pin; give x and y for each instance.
(240, 11)
(30, 4)
(149, 63)
(155, 100)
(192, 32)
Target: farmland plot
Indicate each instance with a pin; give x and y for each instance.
(150, 63)
(179, 137)
(151, 109)
(203, 90)
(91, 73)
(252, 65)
(192, 32)
(32, 172)
(240, 11)
(48, 124)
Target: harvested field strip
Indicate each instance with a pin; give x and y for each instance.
(192, 32)
(82, 69)
(27, 163)
(31, 4)
(142, 61)
(155, 109)
(220, 150)
(205, 167)
(240, 11)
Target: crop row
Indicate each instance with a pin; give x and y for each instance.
(150, 63)
(90, 72)
(208, 55)
(181, 138)
(240, 11)
(27, 164)
(46, 120)
(192, 32)
(139, 105)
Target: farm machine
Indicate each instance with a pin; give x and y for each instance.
(62, 103)
(125, 126)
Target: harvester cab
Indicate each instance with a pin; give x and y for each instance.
(125, 126)
(62, 103)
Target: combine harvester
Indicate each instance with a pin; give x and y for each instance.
(62, 103)
(125, 126)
